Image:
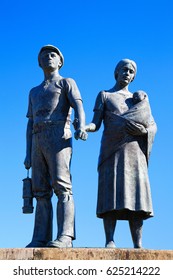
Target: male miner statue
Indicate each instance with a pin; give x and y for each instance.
(49, 149)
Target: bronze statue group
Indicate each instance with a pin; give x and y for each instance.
(129, 130)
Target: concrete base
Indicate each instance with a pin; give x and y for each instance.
(84, 254)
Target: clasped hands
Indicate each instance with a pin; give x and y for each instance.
(81, 134)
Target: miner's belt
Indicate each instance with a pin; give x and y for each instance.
(38, 127)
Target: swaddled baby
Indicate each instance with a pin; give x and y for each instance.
(140, 112)
(139, 96)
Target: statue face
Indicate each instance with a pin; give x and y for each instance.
(126, 74)
(50, 60)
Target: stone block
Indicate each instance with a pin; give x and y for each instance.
(84, 254)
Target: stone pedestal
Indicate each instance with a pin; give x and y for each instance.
(84, 254)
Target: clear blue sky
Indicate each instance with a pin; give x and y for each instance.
(93, 36)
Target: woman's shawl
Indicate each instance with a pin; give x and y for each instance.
(139, 113)
(115, 135)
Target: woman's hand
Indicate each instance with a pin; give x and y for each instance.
(135, 128)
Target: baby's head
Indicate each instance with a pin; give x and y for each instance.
(139, 96)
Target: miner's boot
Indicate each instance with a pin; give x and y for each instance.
(43, 224)
(65, 222)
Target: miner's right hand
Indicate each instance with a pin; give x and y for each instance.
(27, 162)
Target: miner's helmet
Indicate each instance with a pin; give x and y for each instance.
(52, 48)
